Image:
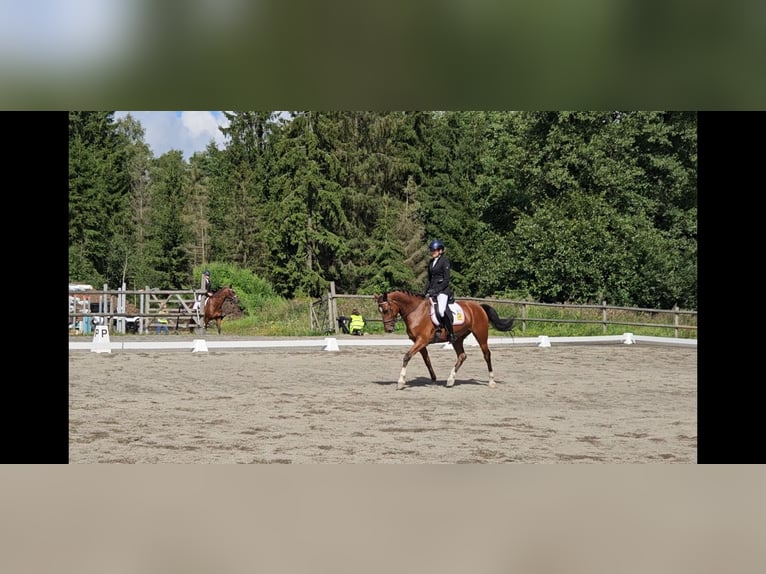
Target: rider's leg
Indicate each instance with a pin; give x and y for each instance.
(447, 320)
(444, 315)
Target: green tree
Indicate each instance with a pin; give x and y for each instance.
(100, 226)
(238, 189)
(136, 270)
(308, 220)
(575, 206)
(169, 237)
(447, 197)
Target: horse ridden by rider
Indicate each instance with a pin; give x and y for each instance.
(421, 314)
(214, 310)
(209, 303)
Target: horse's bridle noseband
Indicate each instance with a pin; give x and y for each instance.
(385, 309)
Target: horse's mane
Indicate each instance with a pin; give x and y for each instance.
(418, 295)
(405, 291)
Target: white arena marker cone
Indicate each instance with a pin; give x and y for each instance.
(101, 342)
(627, 339)
(544, 341)
(200, 346)
(331, 344)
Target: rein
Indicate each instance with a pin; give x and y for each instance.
(404, 313)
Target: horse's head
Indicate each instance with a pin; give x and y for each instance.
(388, 311)
(229, 293)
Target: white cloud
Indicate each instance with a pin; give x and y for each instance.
(189, 132)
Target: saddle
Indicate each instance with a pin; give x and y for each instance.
(458, 318)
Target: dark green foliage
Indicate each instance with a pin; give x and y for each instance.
(99, 184)
(169, 236)
(554, 206)
(239, 179)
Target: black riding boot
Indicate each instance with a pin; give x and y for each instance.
(438, 330)
(447, 320)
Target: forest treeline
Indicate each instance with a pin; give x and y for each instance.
(560, 206)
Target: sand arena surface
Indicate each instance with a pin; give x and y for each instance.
(563, 404)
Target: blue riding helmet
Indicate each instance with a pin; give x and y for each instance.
(435, 244)
(206, 273)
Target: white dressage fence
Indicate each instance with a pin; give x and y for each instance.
(101, 342)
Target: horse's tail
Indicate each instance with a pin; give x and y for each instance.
(497, 322)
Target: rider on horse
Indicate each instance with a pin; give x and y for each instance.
(438, 285)
(207, 288)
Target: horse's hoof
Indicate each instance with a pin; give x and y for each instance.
(450, 383)
(492, 384)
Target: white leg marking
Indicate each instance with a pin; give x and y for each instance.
(400, 384)
(451, 378)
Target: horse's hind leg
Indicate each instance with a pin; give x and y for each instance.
(460, 352)
(427, 361)
(488, 358)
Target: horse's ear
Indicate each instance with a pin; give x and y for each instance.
(375, 297)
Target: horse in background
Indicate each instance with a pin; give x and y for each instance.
(420, 320)
(214, 306)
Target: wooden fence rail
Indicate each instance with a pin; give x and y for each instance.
(140, 315)
(327, 310)
(177, 306)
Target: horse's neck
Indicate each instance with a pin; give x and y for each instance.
(407, 304)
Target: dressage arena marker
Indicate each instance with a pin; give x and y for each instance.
(199, 346)
(101, 340)
(544, 341)
(331, 344)
(627, 338)
(350, 341)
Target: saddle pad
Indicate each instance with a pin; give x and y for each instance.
(458, 318)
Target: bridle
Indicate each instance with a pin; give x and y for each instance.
(389, 314)
(223, 294)
(227, 293)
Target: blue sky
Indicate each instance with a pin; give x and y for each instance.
(189, 132)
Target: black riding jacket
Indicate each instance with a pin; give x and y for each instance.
(438, 277)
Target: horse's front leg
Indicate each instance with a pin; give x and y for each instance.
(218, 325)
(460, 352)
(416, 347)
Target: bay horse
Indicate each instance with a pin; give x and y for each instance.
(214, 306)
(418, 315)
